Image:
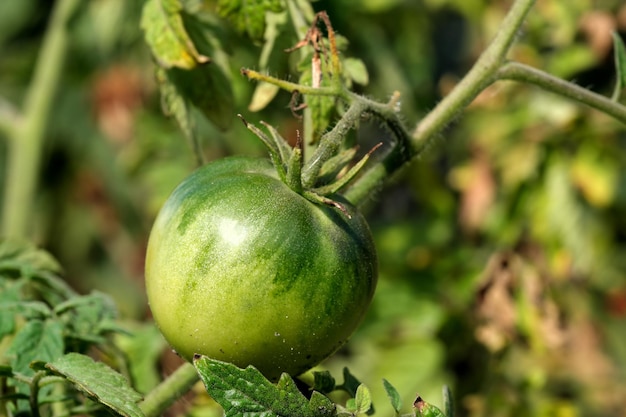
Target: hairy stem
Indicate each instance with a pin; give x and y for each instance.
(477, 79)
(25, 145)
(330, 143)
(520, 72)
(170, 390)
(483, 73)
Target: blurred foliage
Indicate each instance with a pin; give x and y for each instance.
(501, 262)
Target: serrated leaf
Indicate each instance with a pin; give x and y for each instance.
(88, 314)
(165, 33)
(321, 405)
(99, 382)
(285, 383)
(363, 400)
(174, 104)
(620, 65)
(355, 70)
(248, 16)
(37, 340)
(25, 258)
(246, 392)
(394, 396)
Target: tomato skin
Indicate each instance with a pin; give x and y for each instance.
(242, 269)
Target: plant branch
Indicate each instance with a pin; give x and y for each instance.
(477, 79)
(289, 86)
(26, 143)
(482, 74)
(170, 390)
(520, 72)
(330, 142)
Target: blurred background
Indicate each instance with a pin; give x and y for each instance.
(502, 267)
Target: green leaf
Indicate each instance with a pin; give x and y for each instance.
(363, 400)
(166, 35)
(248, 16)
(99, 382)
(6, 371)
(265, 92)
(350, 383)
(176, 105)
(620, 65)
(37, 340)
(323, 382)
(246, 392)
(208, 89)
(88, 317)
(25, 258)
(394, 396)
(321, 405)
(355, 70)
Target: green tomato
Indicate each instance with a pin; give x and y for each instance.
(242, 269)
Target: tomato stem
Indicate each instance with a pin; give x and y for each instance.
(172, 388)
(26, 142)
(330, 143)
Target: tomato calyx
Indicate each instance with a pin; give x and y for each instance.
(333, 175)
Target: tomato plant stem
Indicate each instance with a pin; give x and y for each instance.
(520, 72)
(330, 143)
(482, 74)
(26, 143)
(477, 79)
(171, 389)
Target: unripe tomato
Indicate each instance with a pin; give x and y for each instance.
(242, 269)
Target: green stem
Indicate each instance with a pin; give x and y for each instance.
(477, 79)
(481, 75)
(9, 117)
(171, 389)
(289, 86)
(25, 145)
(330, 143)
(519, 72)
(34, 394)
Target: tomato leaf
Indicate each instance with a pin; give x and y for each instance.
(166, 35)
(394, 396)
(247, 392)
(363, 400)
(323, 382)
(36, 340)
(25, 259)
(350, 383)
(248, 17)
(89, 317)
(620, 66)
(99, 382)
(355, 70)
(208, 89)
(265, 92)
